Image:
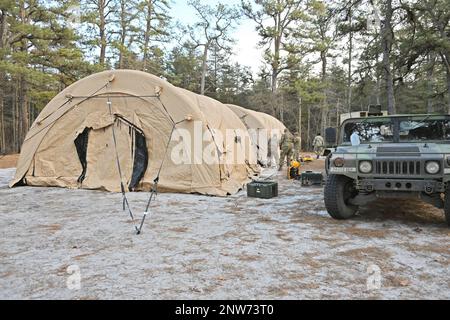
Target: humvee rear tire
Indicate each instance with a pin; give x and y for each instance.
(447, 206)
(338, 191)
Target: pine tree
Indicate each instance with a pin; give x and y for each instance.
(211, 31)
(38, 58)
(153, 28)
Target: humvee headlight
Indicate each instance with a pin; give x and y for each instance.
(365, 167)
(339, 162)
(432, 167)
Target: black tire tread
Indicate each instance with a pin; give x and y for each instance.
(331, 194)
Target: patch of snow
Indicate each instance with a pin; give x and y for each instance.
(199, 247)
(6, 176)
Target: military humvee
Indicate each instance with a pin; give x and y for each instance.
(402, 156)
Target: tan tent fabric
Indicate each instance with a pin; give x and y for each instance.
(251, 119)
(139, 102)
(262, 127)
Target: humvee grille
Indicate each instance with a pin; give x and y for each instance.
(398, 167)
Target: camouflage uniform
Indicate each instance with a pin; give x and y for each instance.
(318, 145)
(297, 147)
(287, 145)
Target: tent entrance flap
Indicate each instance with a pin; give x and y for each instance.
(81, 143)
(96, 153)
(140, 159)
(139, 151)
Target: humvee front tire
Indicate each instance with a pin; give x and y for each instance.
(338, 191)
(447, 206)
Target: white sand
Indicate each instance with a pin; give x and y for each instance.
(197, 247)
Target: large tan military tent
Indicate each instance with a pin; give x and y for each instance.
(262, 127)
(273, 123)
(252, 119)
(136, 126)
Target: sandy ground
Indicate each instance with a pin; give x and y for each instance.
(8, 161)
(197, 247)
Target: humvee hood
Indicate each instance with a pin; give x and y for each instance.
(397, 149)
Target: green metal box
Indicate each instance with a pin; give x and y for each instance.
(309, 178)
(262, 189)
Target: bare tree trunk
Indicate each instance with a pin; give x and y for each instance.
(430, 72)
(204, 67)
(30, 114)
(278, 101)
(2, 83)
(276, 67)
(446, 58)
(148, 30)
(281, 103)
(102, 31)
(308, 137)
(2, 124)
(274, 80)
(300, 115)
(378, 84)
(3, 30)
(15, 117)
(350, 59)
(448, 90)
(323, 57)
(23, 110)
(387, 47)
(215, 72)
(446, 61)
(338, 102)
(123, 32)
(276, 57)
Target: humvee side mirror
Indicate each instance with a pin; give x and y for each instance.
(330, 137)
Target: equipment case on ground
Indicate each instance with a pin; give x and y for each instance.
(262, 189)
(309, 178)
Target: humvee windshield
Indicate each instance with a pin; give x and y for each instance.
(370, 130)
(428, 128)
(434, 130)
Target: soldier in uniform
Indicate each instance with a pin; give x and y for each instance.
(286, 144)
(297, 146)
(318, 145)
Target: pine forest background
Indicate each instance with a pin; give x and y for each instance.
(321, 57)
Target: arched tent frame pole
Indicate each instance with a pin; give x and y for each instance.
(50, 125)
(100, 96)
(69, 99)
(154, 189)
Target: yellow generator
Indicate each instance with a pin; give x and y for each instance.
(293, 170)
(307, 158)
